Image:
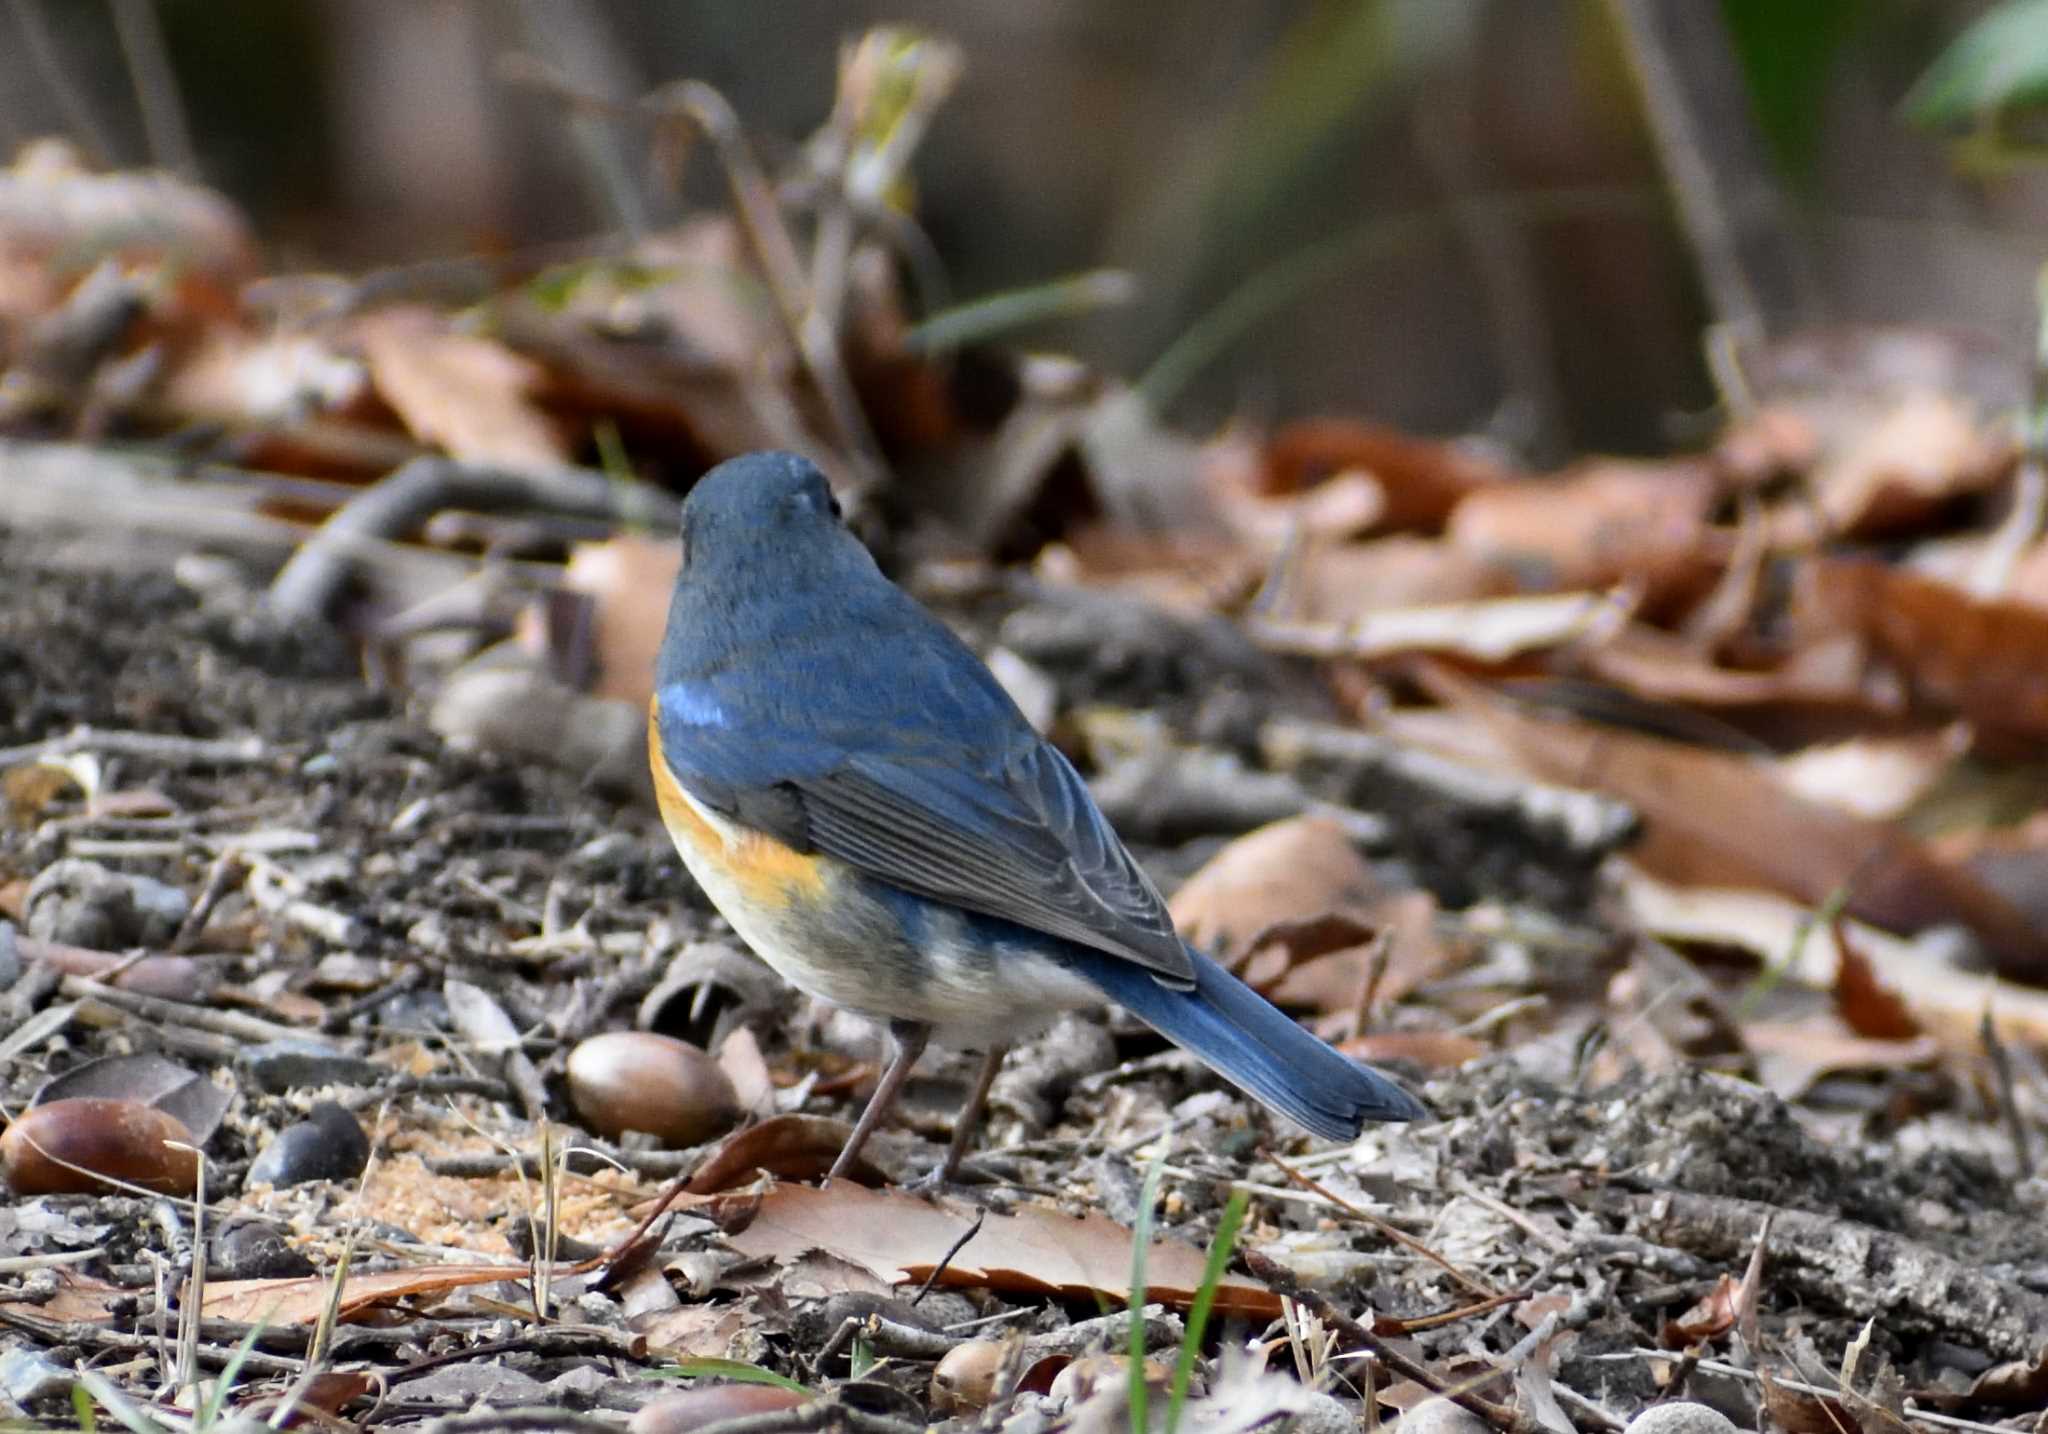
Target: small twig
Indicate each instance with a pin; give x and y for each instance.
(308, 585)
(812, 333)
(89, 1335)
(338, 1019)
(277, 892)
(220, 879)
(177, 1013)
(1720, 176)
(156, 86)
(1282, 1281)
(1749, 1376)
(819, 1414)
(49, 67)
(18, 1264)
(1400, 1237)
(552, 1418)
(582, 42)
(554, 1341)
(947, 1258)
(887, 1337)
(149, 746)
(2015, 1121)
(2013, 537)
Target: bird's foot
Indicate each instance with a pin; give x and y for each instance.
(934, 1182)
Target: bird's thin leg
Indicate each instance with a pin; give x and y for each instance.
(910, 1037)
(970, 1115)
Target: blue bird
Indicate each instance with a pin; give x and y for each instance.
(864, 803)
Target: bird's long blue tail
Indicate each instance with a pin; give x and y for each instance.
(1241, 1036)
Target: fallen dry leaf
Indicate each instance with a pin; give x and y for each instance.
(1877, 777)
(739, 1056)
(54, 210)
(1422, 479)
(2021, 1383)
(1792, 1055)
(467, 394)
(1723, 819)
(79, 1298)
(1947, 1002)
(1598, 524)
(628, 580)
(293, 1302)
(1797, 1412)
(1295, 910)
(1192, 575)
(1986, 661)
(1342, 582)
(900, 1237)
(1710, 1317)
(1490, 631)
(691, 1331)
(1293, 870)
(1767, 442)
(1895, 473)
(1864, 1003)
(1404, 923)
(1432, 1050)
(791, 1147)
(246, 379)
(1342, 503)
(1658, 667)
(1663, 1014)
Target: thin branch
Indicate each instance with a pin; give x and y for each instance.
(156, 86)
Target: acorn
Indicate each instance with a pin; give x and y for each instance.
(637, 1080)
(63, 1147)
(965, 1380)
(712, 1404)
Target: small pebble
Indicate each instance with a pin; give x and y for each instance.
(465, 1385)
(327, 1145)
(29, 1379)
(255, 1250)
(1681, 1416)
(1440, 1416)
(11, 965)
(82, 903)
(578, 1388)
(298, 1064)
(1325, 1414)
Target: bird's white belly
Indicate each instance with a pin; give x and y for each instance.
(850, 949)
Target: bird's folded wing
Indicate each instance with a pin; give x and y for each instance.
(1026, 844)
(1030, 847)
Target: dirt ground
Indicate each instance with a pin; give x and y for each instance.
(1533, 1201)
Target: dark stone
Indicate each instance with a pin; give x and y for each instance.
(327, 1145)
(255, 1250)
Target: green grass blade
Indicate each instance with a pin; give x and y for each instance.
(118, 1404)
(1141, 1242)
(1205, 1298)
(223, 1386)
(979, 320)
(737, 1370)
(1998, 64)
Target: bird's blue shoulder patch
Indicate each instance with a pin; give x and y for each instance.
(691, 706)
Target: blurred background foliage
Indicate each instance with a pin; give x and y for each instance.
(1451, 215)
